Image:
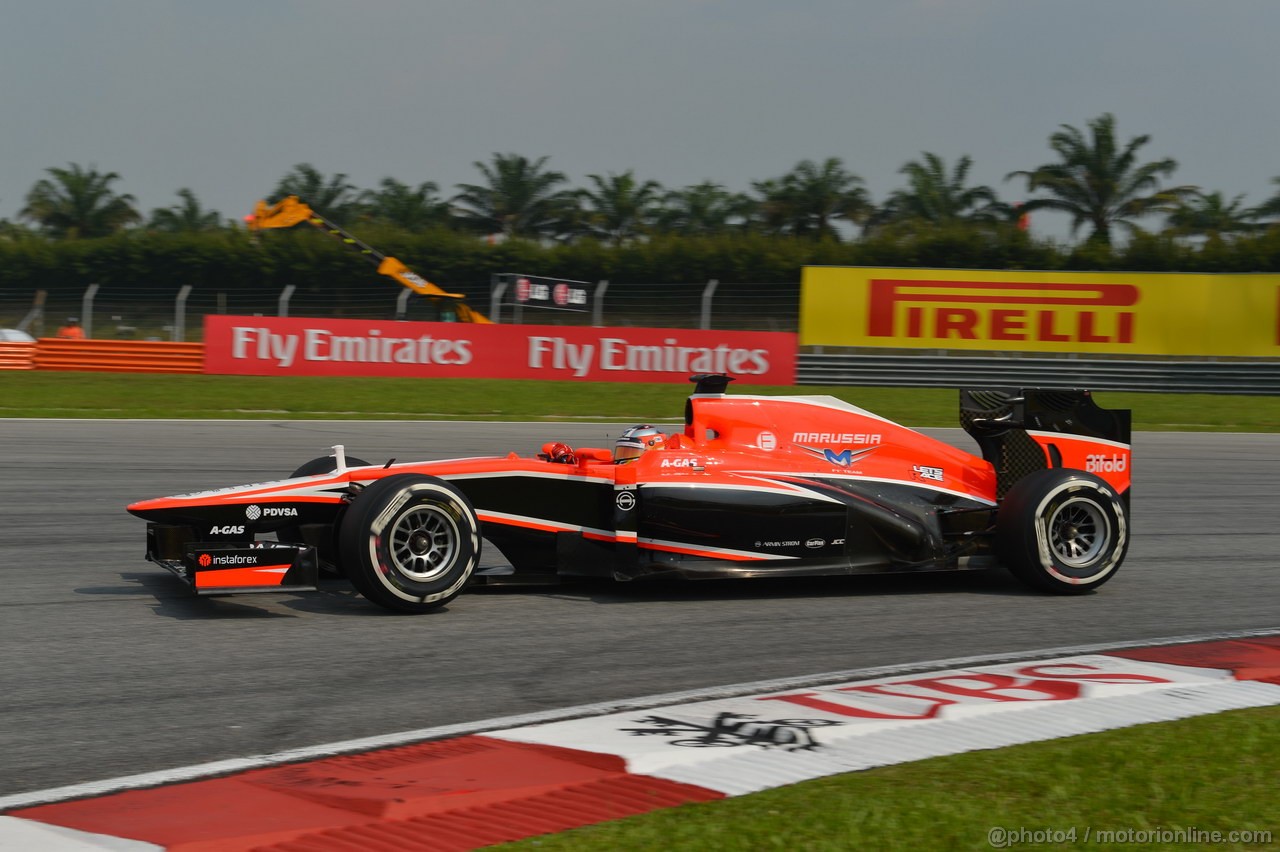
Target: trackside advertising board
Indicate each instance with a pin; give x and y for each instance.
(300, 346)
(1020, 311)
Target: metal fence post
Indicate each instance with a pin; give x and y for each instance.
(35, 317)
(180, 314)
(86, 309)
(497, 287)
(402, 303)
(282, 306)
(597, 309)
(708, 293)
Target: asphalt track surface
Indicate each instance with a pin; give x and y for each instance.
(112, 668)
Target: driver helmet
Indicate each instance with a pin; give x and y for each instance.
(633, 442)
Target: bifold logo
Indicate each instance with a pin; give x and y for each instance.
(1105, 464)
(207, 560)
(999, 311)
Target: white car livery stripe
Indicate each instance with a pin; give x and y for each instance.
(1084, 439)
(539, 523)
(910, 483)
(711, 552)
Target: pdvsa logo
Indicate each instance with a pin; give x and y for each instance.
(1099, 463)
(253, 512)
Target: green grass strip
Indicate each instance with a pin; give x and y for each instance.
(133, 395)
(1207, 773)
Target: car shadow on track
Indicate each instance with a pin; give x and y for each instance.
(336, 597)
(987, 582)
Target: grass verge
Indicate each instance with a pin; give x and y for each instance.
(132, 395)
(1210, 773)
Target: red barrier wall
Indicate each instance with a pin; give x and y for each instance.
(271, 346)
(118, 356)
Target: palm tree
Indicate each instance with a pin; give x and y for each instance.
(1099, 183)
(1270, 207)
(333, 197)
(185, 217)
(938, 197)
(702, 209)
(519, 198)
(1201, 215)
(620, 207)
(808, 200)
(79, 202)
(411, 208)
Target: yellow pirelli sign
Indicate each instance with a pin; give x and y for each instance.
(1086, 312)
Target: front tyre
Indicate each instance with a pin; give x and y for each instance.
(1062, 531)
(410, 542)
(326, 542)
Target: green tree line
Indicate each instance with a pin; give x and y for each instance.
(521, 215)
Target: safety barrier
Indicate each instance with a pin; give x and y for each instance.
(119, 356)
(812, 368)
(17, 356)
(1234, 377)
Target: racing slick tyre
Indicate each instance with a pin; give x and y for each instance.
(327, 545)
(1062, 531)
(410, 542)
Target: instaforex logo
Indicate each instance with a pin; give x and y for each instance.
(254, 512)
(207, 560)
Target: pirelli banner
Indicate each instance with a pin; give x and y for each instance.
(1085, 312)
(298, 346)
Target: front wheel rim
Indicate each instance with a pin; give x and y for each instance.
(424, 543)
(1078, 532)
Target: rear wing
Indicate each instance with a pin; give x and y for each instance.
(1024, 430)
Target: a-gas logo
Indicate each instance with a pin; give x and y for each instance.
(1099, 463)
(228, 529)
(253, 512)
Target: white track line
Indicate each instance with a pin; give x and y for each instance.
(226, 767)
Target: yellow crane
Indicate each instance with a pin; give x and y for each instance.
(293, 211)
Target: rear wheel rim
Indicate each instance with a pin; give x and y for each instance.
(424, 544)
(1078, 532)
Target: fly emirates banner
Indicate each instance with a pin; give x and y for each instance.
(1022, 311)
(300, 346)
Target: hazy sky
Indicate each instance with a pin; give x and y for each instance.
(226, 96)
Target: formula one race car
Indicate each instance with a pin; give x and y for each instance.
(753, 486)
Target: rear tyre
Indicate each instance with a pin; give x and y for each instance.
(410, 542)
(1062, 531)
(327, 543)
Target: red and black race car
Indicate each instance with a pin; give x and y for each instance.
(753, 486)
